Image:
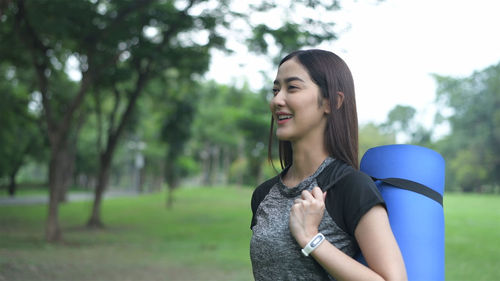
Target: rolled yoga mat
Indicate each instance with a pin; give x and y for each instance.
(411, 180)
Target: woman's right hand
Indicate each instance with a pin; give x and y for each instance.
(306, 215)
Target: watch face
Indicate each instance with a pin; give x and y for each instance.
(316, 241)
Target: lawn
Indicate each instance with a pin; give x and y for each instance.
(472, 237)
(204, 237)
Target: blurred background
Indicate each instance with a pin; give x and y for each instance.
(133, 130)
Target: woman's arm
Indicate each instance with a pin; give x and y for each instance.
(373, 234)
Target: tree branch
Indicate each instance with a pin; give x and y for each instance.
(40, 61)
(139, 85)
(112, 115)
(121, 15)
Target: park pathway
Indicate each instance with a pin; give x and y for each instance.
(72, 197)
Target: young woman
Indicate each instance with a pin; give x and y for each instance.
(294, 238)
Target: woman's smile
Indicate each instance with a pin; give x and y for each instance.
(283, 117)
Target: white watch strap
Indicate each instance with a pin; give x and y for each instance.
(313, 244)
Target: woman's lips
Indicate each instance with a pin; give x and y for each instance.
(283, 117)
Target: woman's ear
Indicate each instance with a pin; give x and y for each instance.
(340, 99)
(326, 106)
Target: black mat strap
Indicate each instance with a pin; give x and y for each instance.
(415, 187)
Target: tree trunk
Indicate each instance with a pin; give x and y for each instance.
(173, 183)
(255, 169)
(68, 170)
(226, 165)
(56, 180)
(107, 155)
(215, 167)
(171, 174)
(142, 179)
(12, 184)
(102, 182)
(170, 197)
(205, 156)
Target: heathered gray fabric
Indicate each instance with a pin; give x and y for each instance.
(274, 252)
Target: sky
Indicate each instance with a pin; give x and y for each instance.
(392, 48)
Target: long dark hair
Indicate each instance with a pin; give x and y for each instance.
(332, 75)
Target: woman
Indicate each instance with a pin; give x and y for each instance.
(293, 237)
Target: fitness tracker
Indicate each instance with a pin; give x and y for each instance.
(313, 244)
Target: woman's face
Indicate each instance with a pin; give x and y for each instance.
(298, 110)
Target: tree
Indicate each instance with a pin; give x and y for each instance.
(115, 48)
(216, 137)
(401, 121)
(101, 37)
(19, 134)
(176, 131)
(231, 134)
(371, 135)
(297, 31)
(44, 35)
(253, 122)
(401, 117)
(151, 38)
(473, 145)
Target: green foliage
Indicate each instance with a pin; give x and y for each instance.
(401, 122)
(188, 166)
(371, 135)
(20, 138)
(297, 32)
(238, 171)
(400, 117)
(472, 148)
(116, 49)
(231, 124)
(175, 131)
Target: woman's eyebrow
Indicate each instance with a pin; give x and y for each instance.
(289, 79)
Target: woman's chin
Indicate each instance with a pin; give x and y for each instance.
(283, 136)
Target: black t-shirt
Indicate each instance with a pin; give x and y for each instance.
(274, 252)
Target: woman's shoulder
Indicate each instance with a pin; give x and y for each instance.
(356, 177)
(267, 184)
(353, 196)
(356, 188)
(263, 189)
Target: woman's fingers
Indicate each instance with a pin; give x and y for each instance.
(306, 195)
(298, 201)
(314, 199)
(317, 193)
(306, 214)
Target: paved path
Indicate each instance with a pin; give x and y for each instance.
(72, 197)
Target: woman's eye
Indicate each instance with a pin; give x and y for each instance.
(290, 88)
(275, 91)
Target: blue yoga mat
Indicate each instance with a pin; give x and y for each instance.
(416, 219)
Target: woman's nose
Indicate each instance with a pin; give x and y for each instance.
(278, 100)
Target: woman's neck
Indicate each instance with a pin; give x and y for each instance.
(306, 161)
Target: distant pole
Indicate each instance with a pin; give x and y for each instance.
(137, 147)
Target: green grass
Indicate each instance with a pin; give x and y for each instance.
(204, 237)
(472, 236)
(20, 192)
(27, 189)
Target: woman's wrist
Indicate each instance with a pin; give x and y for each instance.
(304, 239)
(313, 244)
